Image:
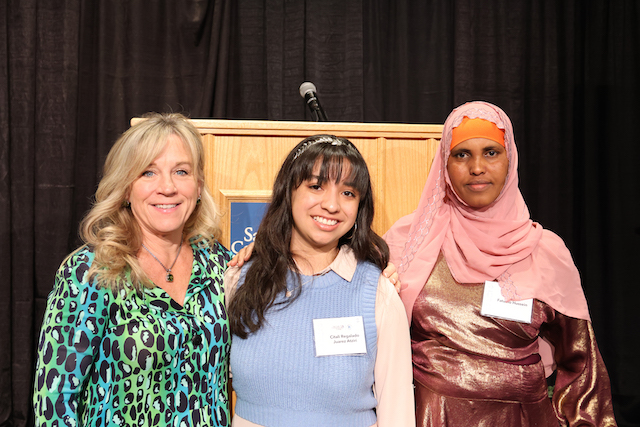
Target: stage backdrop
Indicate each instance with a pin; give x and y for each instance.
(75, 72)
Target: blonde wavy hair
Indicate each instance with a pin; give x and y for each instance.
(111, 230)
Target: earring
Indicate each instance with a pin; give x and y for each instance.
(198, 201)
(126, 204)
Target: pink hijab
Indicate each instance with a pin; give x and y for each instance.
(497, 243)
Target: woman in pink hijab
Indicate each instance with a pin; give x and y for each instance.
(482, 282)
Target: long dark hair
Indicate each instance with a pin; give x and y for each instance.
(272, 257)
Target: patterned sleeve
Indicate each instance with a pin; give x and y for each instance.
(582, 394)
(74, 321)
(226, 253)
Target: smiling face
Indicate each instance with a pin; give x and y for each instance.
(478, 170)
(165, 195)
(322, 213)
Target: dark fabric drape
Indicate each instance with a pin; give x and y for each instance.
(606, 187)
(74, 73)
(280, 44)
(38, 96)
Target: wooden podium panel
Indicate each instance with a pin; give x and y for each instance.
(243, 158)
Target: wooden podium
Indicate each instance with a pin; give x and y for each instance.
(243, 158)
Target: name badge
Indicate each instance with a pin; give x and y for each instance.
(339, 336)
(494, 305)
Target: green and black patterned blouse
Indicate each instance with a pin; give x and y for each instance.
(134, 359)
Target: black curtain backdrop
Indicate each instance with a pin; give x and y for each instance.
(73, 73)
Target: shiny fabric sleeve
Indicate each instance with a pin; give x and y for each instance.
(69, 339)
(393, 371)
(582, 394)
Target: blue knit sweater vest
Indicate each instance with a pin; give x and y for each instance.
(277, 378)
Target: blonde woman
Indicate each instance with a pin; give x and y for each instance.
(135, 331)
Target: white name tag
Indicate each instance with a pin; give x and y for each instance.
(494, 305)
(339, 336)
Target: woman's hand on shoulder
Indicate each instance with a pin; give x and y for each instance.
(392, 274)
(243, 256)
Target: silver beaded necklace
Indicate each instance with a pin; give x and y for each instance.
(169, 276)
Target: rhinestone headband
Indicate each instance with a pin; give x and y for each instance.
(321, 140)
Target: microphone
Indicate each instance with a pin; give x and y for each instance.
(308, 92)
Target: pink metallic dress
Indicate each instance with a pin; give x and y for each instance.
(472, 370)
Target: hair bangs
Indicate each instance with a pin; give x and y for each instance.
(337, 163)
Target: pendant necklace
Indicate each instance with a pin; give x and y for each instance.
(169, 276)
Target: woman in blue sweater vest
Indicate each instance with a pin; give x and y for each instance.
(319, 335)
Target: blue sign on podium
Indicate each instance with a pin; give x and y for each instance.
(245, 218)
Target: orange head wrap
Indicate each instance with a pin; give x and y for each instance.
(476, 128)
